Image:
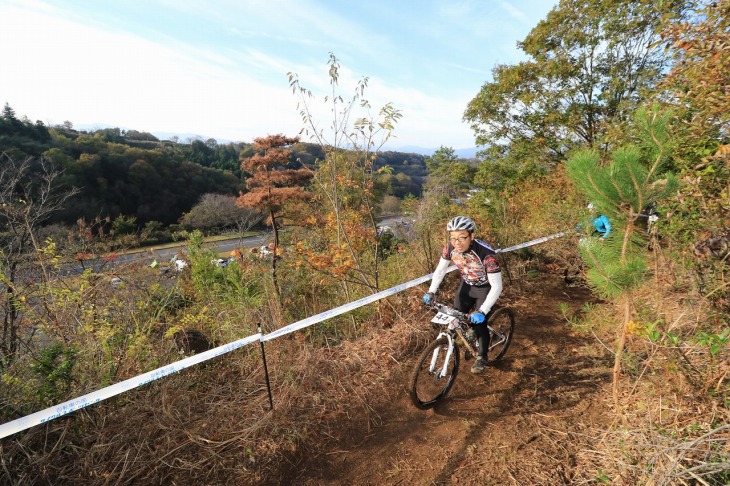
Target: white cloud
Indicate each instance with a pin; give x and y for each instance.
(90, 69)
(92, 76)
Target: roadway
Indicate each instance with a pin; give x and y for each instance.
(221, 246)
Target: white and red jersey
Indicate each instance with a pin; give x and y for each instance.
(474, 264)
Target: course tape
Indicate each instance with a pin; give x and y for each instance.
(347, 307)
(532, 242)
(64, 408)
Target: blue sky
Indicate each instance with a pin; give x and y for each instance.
(219, 68)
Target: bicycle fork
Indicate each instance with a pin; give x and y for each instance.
(449, 350)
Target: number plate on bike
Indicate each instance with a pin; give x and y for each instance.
(443, 319)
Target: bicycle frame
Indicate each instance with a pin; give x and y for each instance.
(438, 365)
(455, 326)
(458, 329)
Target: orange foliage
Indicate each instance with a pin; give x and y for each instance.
(270, 186)
(702, 75)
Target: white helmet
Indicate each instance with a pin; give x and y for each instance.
(461, 223)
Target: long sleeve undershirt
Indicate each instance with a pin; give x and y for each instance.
(439, 274)
(495, 282)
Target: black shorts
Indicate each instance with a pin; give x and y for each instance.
(470, 297)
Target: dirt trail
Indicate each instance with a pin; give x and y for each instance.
(507, 426)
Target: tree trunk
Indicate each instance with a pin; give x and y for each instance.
(274, 277)
(626, 305)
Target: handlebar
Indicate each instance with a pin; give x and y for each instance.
(446, 309)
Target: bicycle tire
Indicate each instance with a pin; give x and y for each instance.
(502, 326)
(426, 387)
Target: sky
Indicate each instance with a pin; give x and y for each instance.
(219, 68)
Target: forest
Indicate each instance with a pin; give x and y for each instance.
(619, 371)
(127, 173)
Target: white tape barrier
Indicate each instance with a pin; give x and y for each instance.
(532, 242)
(64, 408)
(348, 307)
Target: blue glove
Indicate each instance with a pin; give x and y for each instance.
(428, 298)
(476, 318)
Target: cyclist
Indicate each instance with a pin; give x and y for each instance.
(481, 279)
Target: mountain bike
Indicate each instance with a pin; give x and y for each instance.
(438, 365)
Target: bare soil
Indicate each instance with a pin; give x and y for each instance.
(520, 422)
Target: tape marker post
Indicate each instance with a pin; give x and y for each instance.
(64, 408)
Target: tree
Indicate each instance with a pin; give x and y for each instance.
(29, 194)
(697, 90)
(271, 185)
(633, 178)
(701, 73)
(218, 211)
(9, 114)
(591, 63)
(445, 168)
(344, 180)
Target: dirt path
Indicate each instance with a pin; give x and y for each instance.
(507, 426)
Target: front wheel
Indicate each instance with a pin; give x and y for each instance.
(434, 373)
(501, 325)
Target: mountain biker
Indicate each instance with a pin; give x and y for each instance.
(481, 280)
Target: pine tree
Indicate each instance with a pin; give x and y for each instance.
(632, 179)
(9, 113)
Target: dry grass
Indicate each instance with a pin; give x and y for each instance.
(212, 425)
(672, 428)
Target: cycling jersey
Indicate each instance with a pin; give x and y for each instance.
(481, 282)
(474, 264)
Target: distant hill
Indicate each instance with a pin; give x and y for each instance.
(463, 153)
(182, 137)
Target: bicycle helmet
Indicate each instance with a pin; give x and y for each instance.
(461, 223)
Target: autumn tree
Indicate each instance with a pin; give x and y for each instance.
(697, 89)
(590, 64)
(700, 77)
(271, 184)
(344, 180)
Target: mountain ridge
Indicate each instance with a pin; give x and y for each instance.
(462, 153)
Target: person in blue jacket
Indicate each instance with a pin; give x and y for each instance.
(601, 223)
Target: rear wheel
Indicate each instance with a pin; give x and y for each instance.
(433, 375)
(501, 325)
